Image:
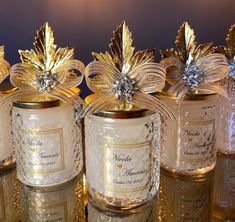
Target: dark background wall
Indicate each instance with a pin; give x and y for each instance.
(88, 24)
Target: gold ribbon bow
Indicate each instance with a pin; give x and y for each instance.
(229, 52)
(4, 66)
(125, 76)
(191, 67)
(47, 70)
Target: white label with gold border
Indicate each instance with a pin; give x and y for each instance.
(126, 168)
(197, 142)
(42, 150)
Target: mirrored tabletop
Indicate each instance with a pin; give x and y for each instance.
(205, 198)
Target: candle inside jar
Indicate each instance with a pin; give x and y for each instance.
(48, 141)
(122, 156)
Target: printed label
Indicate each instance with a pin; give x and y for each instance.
(2, 205)
(197, 141)
(51, 213)
(43, 150)
(127, 166)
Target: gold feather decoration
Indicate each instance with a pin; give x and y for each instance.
(47, 69)
(193, 68)
(125, 76)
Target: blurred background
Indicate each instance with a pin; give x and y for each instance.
(88, 24)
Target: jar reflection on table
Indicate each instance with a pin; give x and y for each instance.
(48, 141)
(61, 203)
(122, 156)
(224, 192)
(226, 124)
(8, 210)
(145, 213)
(185, 199)
(188, 144)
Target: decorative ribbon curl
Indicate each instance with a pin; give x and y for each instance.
(125, 76)
(47, 70)
(193, 68)
(4, 66)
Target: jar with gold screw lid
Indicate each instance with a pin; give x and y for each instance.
(122, 155)
(48, 141)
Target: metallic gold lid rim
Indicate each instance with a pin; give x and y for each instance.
(124, 114)
(37, 105)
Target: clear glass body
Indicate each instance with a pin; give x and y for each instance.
(61, 203)
(188, 143)
(8, 181)
(48, 145)
(226, 125)
(185, 198)
(224, 190)
(6, 142)
(147, 212)
(122, 160)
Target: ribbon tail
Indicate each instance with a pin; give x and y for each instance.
(215, 88)
(145, 100)
(18, 94)
(100, 103)
(66, 95)
(178, 90)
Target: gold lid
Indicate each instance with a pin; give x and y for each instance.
(42, 101)
(122, 110)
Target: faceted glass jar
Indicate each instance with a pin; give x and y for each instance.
(185, 198)
(224, 191)
(48, 142)
(7, 157)
(226, 136)
(60, 203)
(122, 157)
(188, 143)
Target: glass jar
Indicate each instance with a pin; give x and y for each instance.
(122, 156)
(7, 157)
(60, 203)
(145, 213)
(226, 136)
(224, 191)
(185, 198)
(48, 141)
(188, 143)
(8, 181)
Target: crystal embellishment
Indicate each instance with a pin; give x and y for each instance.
(45, 81)
(192, 76)
(124, 88)
(232, 70)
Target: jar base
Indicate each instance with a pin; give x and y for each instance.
(191, 173)
(8, 163)
(67, 180)
(103, 202)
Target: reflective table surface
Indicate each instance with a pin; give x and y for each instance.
(210, 197)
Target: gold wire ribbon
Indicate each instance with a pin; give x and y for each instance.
(149, 77)
(4, 66)
(46, 61)
(214, 66)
